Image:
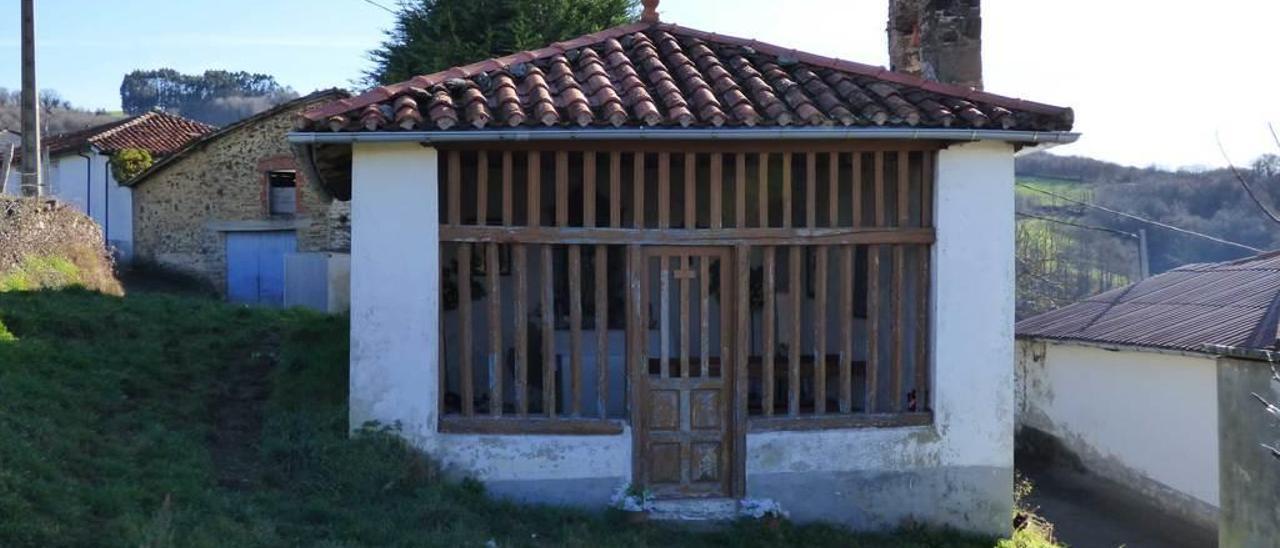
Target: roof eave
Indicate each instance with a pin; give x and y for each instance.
(642, 134)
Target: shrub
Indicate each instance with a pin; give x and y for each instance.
(128, 163)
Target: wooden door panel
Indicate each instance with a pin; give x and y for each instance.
(685, 431)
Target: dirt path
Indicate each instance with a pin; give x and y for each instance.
(237, 413)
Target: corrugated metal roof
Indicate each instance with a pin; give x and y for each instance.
(1232, 304)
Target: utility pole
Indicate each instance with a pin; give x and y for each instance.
(1144, 261)
(31, 153)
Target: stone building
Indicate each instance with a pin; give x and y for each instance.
(230, 206)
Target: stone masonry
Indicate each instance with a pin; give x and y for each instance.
(937, 39)
(181, 212)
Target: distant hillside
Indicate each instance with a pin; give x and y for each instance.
(57, 115)
(1059, 263)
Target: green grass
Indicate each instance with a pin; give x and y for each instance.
(156, 420)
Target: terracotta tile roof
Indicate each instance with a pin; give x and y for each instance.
(156, 132)
(651, 74)
(1231, 304)
(204, 140)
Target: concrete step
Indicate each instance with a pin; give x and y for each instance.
(695, 510)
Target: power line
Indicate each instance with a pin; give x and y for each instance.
(1078, 225)
(384, 8)
(1141, 219)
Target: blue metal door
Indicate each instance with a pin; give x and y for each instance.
(255, 266)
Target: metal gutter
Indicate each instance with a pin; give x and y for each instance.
(641, 134)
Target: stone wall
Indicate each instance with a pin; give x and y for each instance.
(182, 213)
(937, 40)
(47, 244)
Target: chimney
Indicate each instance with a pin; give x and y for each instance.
(937, 40)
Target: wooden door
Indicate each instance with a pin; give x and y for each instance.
(683, 370)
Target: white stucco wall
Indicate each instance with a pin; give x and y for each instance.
(957, 471)
(1135, 416)
(96, 194)
(972, 376)
(395, 330)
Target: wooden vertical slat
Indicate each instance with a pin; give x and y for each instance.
(766, 353)
(636, 357)
(904, 188)
(833, 189)
(562, 188)
(684, 261)
(464, 329)
(575, 329)
(740, 191)
(793, 358)
(846, 328)
(742, 355)
(879, 189)
(786, 190)
(482, 188)
(717, 190)
(873, 325)
(899, 283)
(588, 188)
(637, 192)
(664, 319)
(923, 288)
(926, 190)
(455, 188)
(664, 190)
(535, 189)
(704, 290)
(690, 191)
(857, 188)
(506, 188)
(602, 330)
(898, 329)
(491, 269)
(520, 273)
(762, 187)
(615, 189)
(548, 334)
(811, 189)
(820, 331)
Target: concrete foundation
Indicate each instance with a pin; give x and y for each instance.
(1250, 476)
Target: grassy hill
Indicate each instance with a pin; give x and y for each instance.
(155, 420)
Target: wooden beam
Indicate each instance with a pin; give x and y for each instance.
(904, 188)
(833, 189)
(879, 189)
(464, 329)
(589, 189)
(520, 273)
(548, 334)
(873, 325)
(455, 188)
(923, 288)
(766, 353)
(562, 188)
(846, 328)
(506, 189)
(602, 329)
(811, 190)
(690, 191)
(675, 236)
(575, 330)
(832, 422)
(664, 190)
(786, 190)
(717, 190)
(534, 197)
(529, 426)
(857, 189)
(762, 183)
(793, 346)
(898, 328)
(496, 371)
(926, 189)
(740, 191)
(615, 189)
(704, 293)
(664, 319)
(482, 188)
(820, 331)
(637, 191)
(704, 146)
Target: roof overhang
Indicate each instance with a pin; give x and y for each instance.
(642, 134)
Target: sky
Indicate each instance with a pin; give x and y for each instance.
(1152, 82)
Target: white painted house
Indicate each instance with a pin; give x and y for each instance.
(1127, 381)
(77, 168)
(708, 266)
